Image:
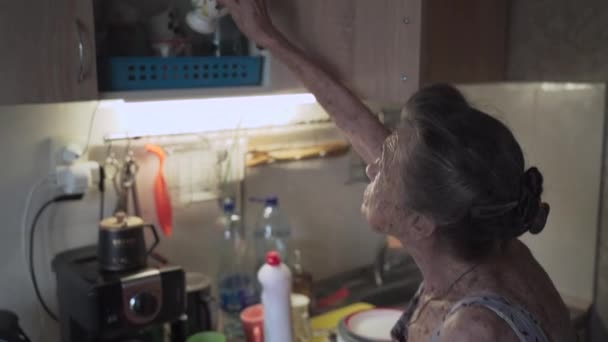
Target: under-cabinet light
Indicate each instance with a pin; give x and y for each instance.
(215, 114)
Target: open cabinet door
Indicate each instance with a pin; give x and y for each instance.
(373, 46)
(48, 51)
(384, 50)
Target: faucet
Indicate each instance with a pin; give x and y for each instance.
(390, 255)
(380, 263)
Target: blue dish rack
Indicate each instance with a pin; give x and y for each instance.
(146, 73)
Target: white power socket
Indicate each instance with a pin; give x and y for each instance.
(74, 174)
(62, 150)
(78, 177)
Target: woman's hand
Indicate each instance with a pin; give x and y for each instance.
(251, 16)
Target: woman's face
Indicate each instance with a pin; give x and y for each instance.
(383, 198)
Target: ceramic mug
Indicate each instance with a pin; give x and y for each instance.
(205, 16)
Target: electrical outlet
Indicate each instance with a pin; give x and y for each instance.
(78, 177)
(62, 149)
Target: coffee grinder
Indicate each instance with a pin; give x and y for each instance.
(97, 306)
(113, 291)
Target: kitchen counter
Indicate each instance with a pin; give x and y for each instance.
(360, 287)
(579, 311)
(579, 315)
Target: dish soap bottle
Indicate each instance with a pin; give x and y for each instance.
(237, 287)
(275, 278)
(272, 232)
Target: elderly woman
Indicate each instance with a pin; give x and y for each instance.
(450, 184)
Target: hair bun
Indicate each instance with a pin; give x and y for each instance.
(533, 181)
(540, 220)
(532, 211)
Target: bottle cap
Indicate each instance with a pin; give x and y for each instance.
(228, 205)
(272, 201)
(273, 258)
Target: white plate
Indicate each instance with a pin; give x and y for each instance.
(373, 324)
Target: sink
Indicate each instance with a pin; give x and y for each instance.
(359, 285)
(392, 295)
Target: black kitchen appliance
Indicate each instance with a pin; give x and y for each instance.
(199, 302)
(96, 306)
(10, 331)
(122, 243)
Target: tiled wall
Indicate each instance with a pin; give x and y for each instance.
(560, 128)
(25, 131)
(323, 209)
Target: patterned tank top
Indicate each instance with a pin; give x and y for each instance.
(523, 323)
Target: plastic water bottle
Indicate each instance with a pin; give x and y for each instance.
(275, 278)
(236, 277)
(272, 232)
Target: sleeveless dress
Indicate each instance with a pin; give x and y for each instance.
(523, 323)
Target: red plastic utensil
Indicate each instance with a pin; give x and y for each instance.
(162, 200)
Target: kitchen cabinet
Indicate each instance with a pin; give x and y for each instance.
(47, 51)
(386, 49)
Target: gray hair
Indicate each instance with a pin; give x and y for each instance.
(465, 170)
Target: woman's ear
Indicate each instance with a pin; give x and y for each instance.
(422, 227)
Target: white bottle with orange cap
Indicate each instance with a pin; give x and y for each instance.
(275, 278)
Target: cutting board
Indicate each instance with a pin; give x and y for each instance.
(257, 158)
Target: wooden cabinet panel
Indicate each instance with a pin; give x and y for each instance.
(324, 29)
(367, 44)
(42, 51)
(385, 49)
(465, 40)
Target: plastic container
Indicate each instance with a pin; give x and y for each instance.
(237, 287)
(275, 278)
(145, 73)
(272, 232)
(300, 317)
(302, 279)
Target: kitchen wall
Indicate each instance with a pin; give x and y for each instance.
(558, 40)
(26, 130)
(560, 127)
(554, 122)
(599, 325)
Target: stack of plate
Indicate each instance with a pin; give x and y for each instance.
(372, 325)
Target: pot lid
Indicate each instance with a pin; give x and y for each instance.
(120, 220)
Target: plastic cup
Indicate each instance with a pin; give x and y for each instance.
(252, 319)
(207, 337)
(300, 319)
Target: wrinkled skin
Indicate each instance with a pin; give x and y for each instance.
(383, 198)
